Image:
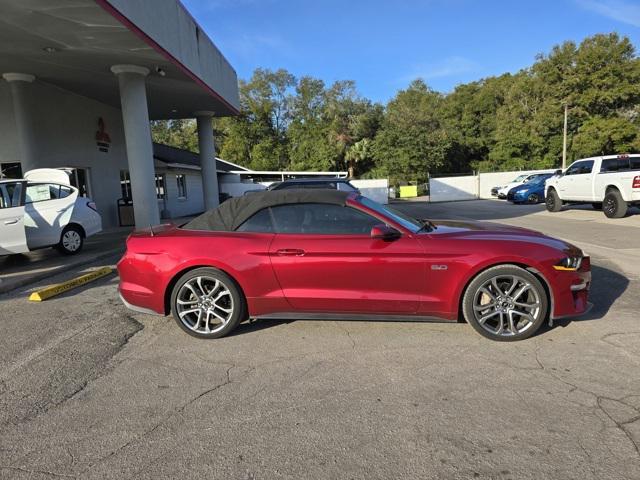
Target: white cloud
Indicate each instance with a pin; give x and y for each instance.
(448, 67)
(620, 10)
(249, 45)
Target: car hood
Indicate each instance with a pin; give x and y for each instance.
(512, 185)
(471, 230)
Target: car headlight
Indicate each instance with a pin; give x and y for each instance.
(569, 264)
(522, 190)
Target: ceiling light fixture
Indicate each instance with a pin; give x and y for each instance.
(51, 49)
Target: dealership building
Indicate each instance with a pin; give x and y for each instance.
(82, 78)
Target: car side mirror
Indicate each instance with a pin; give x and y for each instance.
(385, 232)
(558, 172)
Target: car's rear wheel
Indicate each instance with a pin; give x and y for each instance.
(533, 198)
(505, 303)
(71, 240)
(552, 201)
(207, 303)
(614, 205)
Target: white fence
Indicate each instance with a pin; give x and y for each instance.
(231, 184)
(377, 190)
(471, 187)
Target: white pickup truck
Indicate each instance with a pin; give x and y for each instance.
(610, 183)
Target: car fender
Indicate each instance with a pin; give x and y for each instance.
(530, 264)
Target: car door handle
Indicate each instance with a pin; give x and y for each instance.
(295, 252)
(11, 222)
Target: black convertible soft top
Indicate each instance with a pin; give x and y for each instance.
(233, 213)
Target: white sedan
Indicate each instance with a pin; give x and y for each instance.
(44, 210)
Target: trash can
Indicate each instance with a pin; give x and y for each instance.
(125, 212)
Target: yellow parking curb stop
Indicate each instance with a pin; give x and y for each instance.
(58, 288)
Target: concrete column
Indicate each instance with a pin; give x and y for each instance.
(137, 132)
(20, 85)
(207, 159)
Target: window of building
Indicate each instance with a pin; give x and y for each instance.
(11, 170)
(160, 187)
(181, 180)
(125, 184)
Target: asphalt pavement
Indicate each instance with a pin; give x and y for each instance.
(89, 390)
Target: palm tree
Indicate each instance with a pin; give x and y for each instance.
(358, 152)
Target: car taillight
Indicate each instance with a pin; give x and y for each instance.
(92, 206)
(636, 182)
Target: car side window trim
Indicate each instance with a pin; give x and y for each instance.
(278, 228)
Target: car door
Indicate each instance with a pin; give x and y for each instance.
(326, 261)
(48, 208)
(576, 182)
(12, 232)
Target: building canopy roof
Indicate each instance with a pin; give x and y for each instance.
(73, 44)
(173, 156)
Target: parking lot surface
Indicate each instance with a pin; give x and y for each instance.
(91, 390)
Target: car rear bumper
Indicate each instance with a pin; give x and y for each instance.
(136, 308)
(139, 289)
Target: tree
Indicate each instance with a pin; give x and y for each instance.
(411, 141)
(358, 154)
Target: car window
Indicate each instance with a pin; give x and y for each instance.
(322, 219)
(615, 165)
(579, 168)
(634, 163)
(40, 192)
(10, 194)
(65, 191)
(406, 221)
(519, 178)
(259, 222)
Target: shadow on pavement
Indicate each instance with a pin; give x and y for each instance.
(607, 287)
(484, 210)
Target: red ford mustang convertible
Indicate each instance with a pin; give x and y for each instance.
(329, 254)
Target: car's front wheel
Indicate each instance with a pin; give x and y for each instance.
(207, 303)
(552, 201)
(71, 240)
(533, 198)
(505, 303)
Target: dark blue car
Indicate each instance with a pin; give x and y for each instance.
(530, 192)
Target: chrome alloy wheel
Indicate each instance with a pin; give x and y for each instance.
(204, 304)
(71, 240)
(507, 305)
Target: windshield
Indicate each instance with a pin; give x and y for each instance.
(519, 178)
(539, 180)
(406, 221)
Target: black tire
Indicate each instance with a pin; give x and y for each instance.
(614, 205)
(71, 240)
(597, 205)
(533, 198)
(238, 305)
(500, 272)
(552, 201)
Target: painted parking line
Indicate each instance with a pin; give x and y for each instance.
(58, 288)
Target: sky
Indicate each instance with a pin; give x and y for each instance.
(384, 44)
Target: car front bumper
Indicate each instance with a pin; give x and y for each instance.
(571, 292)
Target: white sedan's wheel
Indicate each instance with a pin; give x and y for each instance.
(71, 241)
